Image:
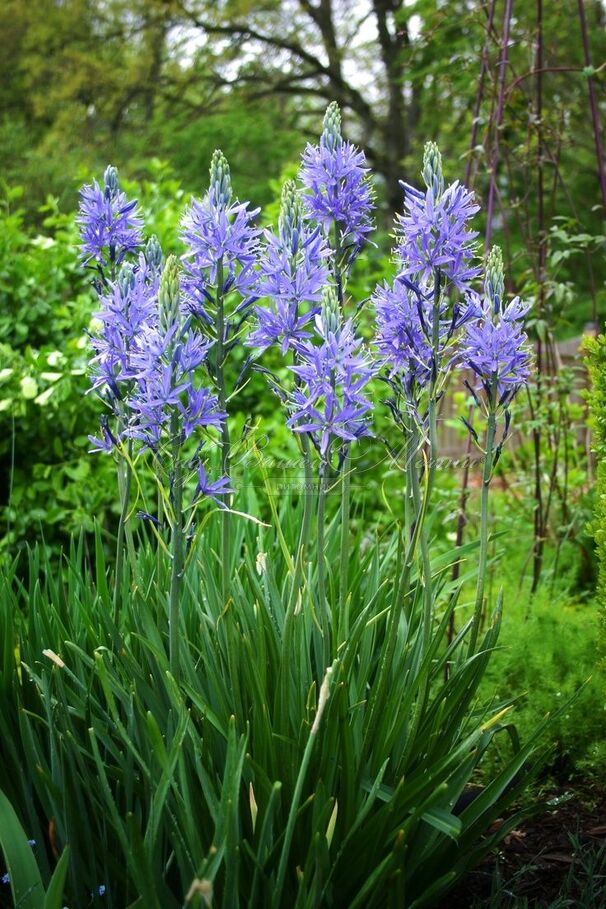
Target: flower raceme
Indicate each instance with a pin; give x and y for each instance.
(405, 339)
(110, 227)
(417, 319)
(495, 349)
(128, 305)
(167, 398)
(433, 232)
(335, 176)
(146, 359)
(495, 345)
(292, 272)
(220, 239)
(329, 401)
(404, 332)
(403, 322)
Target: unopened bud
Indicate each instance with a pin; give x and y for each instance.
(220, 178)
(331, 131)
(494, 279)
(290, 221)
(254, 809)
(322, 699)
(126, 279)
(168, 293)
(110, 179)
(330, 315)
(153, 253)
(432, 169)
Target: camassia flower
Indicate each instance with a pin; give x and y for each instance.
(221, 245)
(339, 193)
(213, 489)
(146, 359)
(292, 272)
(495, 345)
(110, 227)
(403, 324)
(329, 402)
(433, 232)
(167, 402)
(404, 332)
(128, 306)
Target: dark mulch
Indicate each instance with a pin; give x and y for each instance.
(537, 858)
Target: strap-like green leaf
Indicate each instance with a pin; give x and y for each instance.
(26, 883)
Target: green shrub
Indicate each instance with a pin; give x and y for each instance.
(547, 653)
(596, 348)
(45, 414)
(55, 489)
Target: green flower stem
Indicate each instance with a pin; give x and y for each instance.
(300, 568)
(346, 468)
(433, 403)
(159, 553)
(303, 543)
(176, 550)
(345, 541)
(420, 505)
(421, 502)
(380, 689)
(423, 545)
(410, 454)
(431, 465)
(483, 557)
(337, 266)
(300, 571)
(128, 531)
(322, 601)
(308, 499)
(125, 474)
(225, 440)
(124, 481)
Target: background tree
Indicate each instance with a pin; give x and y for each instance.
(85, 82)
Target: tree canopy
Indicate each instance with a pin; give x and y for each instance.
(503, 87)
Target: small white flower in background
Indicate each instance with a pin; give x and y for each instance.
(261, 562)
(54, 658)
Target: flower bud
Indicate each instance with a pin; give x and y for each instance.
(110, 179)
(168, 293)
(494, 279)
(330, 313)
(432, 169)
(331, 131)
(220, 178)
(126, 279)
(290, 222)
(153, 253)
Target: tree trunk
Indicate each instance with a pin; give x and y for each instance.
(395, 132)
